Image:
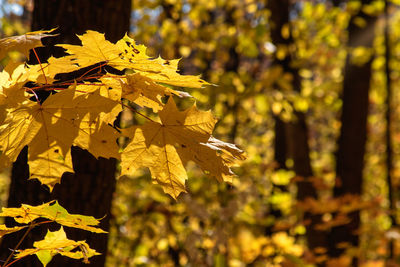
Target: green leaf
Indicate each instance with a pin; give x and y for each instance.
(44, 256)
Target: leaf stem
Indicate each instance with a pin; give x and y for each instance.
(31, 225)
(14, 261)
(101, 65)
(40, 64)
(69, 82)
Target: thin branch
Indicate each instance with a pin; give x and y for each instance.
(99, 67)
(19, 243)
(41, 68)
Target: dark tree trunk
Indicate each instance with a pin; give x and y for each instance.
(388, 137)
(337, 2)
(89, 191)
(280, 145)
(296, 143)
(279, 17)
(353, 133)
(75, 17)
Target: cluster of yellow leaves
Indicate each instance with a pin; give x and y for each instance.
(53, 212)
(81, 113)
(54, 242)
(57, 243)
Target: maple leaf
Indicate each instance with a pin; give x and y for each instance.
(144, 91)
(180, 137)
(23, 43)
(94, 49)
(50, 129)
(159, 70)
(12, 92)
(168, 75)
(4, 230)
(57, 243)
(54, 212)
(134, 57)
(216, 157)
(109, 88)
(125, 54)
(40, 74)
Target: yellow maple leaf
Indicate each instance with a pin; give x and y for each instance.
(134, 57)
(24, 214)
(12, 92)
(159, 70)
(54, 212)
(4, 230)
(23, 43)
(215, 157)
(168, 74)
(57, 243)
(176, 79)
(94, 49)
(180, 137)
(131, 52)
(17, 131)
(59, 65)
(50, 129)
(144, 91)
(109, 88)
(125, 54)
(39, 74)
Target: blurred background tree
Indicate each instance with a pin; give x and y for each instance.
(302, 86)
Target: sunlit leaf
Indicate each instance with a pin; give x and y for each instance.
(57, 243)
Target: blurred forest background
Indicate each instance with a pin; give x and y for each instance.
(310, 90)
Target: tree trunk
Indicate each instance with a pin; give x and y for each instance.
(353, 133)
(388, 137)
(296, 132)
(89, 191)
(336, 2)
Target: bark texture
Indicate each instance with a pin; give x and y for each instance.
(353, 133)
(89, 191)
